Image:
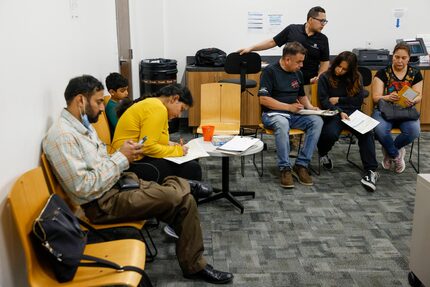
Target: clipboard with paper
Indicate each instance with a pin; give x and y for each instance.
(406, 93)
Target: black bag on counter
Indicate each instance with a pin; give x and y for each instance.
(210, 57)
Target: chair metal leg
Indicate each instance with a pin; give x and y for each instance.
(318, 172)
(347, 153)
(259, 171)
(242, 166)
(151, 254)
(416, 168)
(242, 158)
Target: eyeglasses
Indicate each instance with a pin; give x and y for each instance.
(322, 21)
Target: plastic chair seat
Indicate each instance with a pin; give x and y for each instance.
(127, 252)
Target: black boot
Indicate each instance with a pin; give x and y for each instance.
(200, 189)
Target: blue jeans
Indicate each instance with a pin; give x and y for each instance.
(410, 131)
(281, 126)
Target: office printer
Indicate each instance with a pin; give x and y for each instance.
(369, 57)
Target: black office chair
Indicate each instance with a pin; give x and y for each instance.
(366, 74)
(249, 63)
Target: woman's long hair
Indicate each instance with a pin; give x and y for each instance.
(351, 78)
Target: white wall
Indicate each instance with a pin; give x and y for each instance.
(194, 24)
(41, 49)
(147, 34)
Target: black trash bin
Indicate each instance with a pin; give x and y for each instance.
(155, 74)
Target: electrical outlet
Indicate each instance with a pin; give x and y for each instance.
(368, 44)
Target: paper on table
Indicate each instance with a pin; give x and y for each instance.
(318, 112)
(238, 144)
(195, 150)
(361, 122)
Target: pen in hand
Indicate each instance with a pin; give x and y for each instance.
(143, 140)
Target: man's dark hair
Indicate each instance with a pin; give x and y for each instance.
(293, 48)
(116, 81)
(314, 11)
(167, 91)
(86, 85)
(402, 46)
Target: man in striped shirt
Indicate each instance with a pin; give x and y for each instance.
(89, 175)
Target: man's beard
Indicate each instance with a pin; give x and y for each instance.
(92, 118)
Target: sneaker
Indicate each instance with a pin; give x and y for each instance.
(301, 173)
(326, 162)
(287, 179)
(169, 231)
(386, 162)
(399, 161)
(369, 180)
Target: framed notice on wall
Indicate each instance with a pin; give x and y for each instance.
(262, 22)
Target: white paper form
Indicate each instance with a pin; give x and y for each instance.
(195, 150)
(238, 144)
(327, 113)
(361, 122)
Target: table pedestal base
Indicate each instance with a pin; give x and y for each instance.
(225, 191)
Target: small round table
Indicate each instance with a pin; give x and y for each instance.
(225, 190)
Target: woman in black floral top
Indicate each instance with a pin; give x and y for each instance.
(386, 84)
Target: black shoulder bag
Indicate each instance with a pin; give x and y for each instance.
(58, 230)
(393, 112)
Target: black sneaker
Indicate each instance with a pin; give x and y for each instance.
(326, 162)
(369, 180)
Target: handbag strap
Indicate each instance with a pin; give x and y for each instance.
(92, 229)
(100, 262)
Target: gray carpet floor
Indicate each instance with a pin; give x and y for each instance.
(334, 233)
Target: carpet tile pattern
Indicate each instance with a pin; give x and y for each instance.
(334, 233)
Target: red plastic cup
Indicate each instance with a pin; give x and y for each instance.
(208, 132)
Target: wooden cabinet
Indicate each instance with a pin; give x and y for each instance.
(250, 106)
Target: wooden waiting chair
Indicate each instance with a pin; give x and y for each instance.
(139, 225)
(106, 99)
(220, 107)
(27, 198)
(103, 131)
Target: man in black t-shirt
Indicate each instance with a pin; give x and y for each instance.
(282, 97)
(310, 36)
